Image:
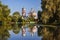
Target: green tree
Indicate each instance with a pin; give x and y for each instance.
(50, 15)
(39, 16)
(16, 15)
(52, 9)
(4, 13)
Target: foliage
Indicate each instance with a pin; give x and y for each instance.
(4, 13)
(16, 15)
(50, 11)
(50, 15)
(39, 16)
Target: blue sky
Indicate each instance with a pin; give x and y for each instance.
(16, 5)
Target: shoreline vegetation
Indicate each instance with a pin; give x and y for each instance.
(50, 14)
(43, 16)
(6, 18)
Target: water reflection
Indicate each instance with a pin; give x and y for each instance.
(22, 32)
(4, 34)
(33, 30)
(28, 32)
(16, 29)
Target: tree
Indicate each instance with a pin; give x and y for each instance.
(39, 16)
(44, 17)
(51, 8)
(51, 15)
(4, 13)
(16, 15)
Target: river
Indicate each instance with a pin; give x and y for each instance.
(24, 32)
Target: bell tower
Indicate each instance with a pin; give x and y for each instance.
(23, 12)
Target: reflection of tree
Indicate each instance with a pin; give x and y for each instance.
(30, 25)
(32, 29)
(16, 29)
(39, 31)
(4, 34)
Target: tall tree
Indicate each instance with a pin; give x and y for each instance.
(4, 13)
(51, 8)
(39, 16)
(51, 15)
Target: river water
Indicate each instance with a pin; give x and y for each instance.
(24, 32)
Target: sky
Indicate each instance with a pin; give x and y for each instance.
(17, 5)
